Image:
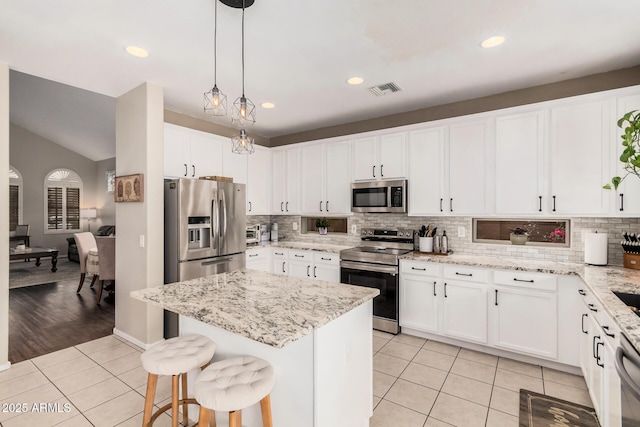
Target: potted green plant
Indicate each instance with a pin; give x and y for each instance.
(322, 224)
(630, 156)
(518, 236)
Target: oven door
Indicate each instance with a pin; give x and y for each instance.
(381, 277)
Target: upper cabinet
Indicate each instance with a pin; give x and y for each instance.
(427, 171)
(627, 200)
(189, 153)
(579, 159)
(285, 166)
(519, 163)
(326, 179)
(379, 157)
(233, 164)
(259, 182)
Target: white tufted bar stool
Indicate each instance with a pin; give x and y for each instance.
(175, 357)
(232, 385)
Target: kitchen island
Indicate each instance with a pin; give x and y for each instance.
(317, 336)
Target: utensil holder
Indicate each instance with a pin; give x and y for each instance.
(426, 244)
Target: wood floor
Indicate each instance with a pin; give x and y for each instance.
(50, 317)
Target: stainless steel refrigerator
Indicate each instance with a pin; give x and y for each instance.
(204, 232)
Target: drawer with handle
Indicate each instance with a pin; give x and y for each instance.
(326, 258)
(279, 253)
(541, 281)
(301, 256)
(467, 274)
(420, 268)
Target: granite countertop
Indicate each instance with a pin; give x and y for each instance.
(601, 280)
(309, 246)
(265, 307)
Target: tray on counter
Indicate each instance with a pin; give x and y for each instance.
(433, 253)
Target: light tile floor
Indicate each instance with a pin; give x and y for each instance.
(415, 383)
(418, 382)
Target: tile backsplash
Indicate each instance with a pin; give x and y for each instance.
(615, 227)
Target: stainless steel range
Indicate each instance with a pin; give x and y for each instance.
(375, 264)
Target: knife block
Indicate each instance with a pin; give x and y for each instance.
(631, 260)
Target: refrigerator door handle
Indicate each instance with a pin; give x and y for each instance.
(214, 224)
(223, 215)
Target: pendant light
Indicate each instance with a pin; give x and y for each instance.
(244, 112)
(243, 143)
(215, 102)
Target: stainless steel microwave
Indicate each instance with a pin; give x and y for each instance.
(379, 196)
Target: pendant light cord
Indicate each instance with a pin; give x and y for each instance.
(243, 48)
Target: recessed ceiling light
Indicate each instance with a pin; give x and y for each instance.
(268, 105)
(355, 80)
(492, 41)
(136, 51)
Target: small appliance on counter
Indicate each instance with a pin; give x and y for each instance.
(274, 232)
(264, 232)
(595, 248)
(253, 234)
(631, 247)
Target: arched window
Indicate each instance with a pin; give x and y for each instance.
(62, 199)
(15, 198)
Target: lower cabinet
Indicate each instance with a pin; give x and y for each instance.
(315, 265)
(280, 261)
(259, 259)
(465, 311)
(419, 304)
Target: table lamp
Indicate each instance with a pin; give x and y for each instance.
(88, 214)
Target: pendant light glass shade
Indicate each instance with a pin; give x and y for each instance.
(242, 143)
(215, 102)
(244, 112)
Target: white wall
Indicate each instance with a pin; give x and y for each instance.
(139, 149)
(4, 216)
(34, 157)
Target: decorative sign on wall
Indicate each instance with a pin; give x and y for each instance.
(111, 181)
(129, 188)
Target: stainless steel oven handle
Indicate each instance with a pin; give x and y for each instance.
(624, 375)
(369, 267)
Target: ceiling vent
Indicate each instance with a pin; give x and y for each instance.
(385, 89)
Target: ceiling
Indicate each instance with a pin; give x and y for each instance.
(298, 56)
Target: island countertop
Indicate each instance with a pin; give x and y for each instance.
(265, 307)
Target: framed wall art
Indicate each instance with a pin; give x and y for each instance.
(129, 188)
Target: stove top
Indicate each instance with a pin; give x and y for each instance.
(380, 246)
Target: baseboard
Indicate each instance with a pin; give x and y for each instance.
(132, 339)
(5, 366)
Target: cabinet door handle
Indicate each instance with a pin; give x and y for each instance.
(326, 206)
(496, 297)
(249, 206)
(554, 203)
(186, 171)
(440, 204)
(582, 323)
(281, 206)
(283, 270)
(252, 255)
(325, 259)
(434, 289)
(445, 290)
(419, 269)
(606, 332)
(298, 256)
(279, 253)
(592, 307)
(374, 171)
(540, 203)
(515, 279)
(451, 204)
(320, 205)
(286, 206)
(582, 292)
(593, 346)
(464, 274)
(598, 354)
(621, 202)
(381, 173)
(193, 168)
(308, 267)
(314, 271)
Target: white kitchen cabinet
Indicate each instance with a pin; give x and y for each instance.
(234, 164)
(465, 310)
(259, 259)
(285, 169)
(612, 393)
(427, 171)
(470, 160)
(316, 265)
(379, 157)
(280, 261)
(419, 302)
(326, 179)
(190, 154)
(259, 182)
(519, 163)
(627, 198)
(595, 367)
(579, 164)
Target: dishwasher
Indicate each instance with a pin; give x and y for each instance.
(628, 368)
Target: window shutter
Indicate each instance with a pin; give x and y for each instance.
(14, 204)
(73, 208)
(54, 208)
